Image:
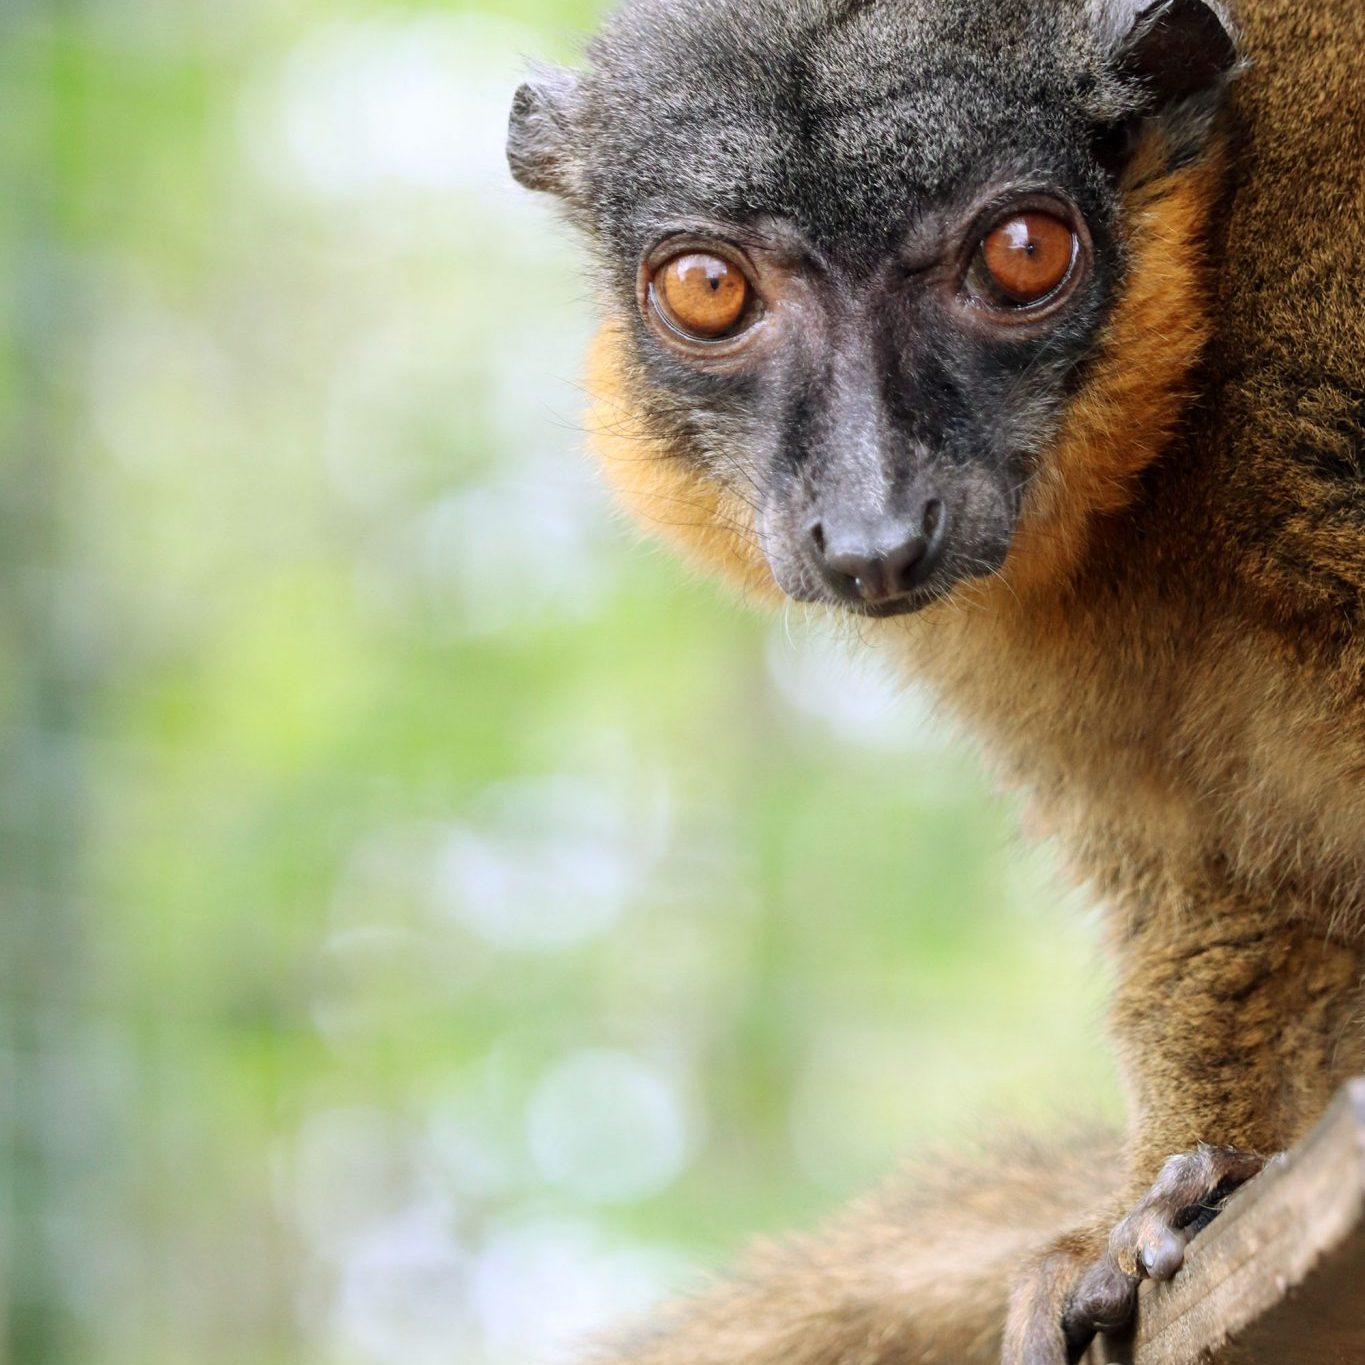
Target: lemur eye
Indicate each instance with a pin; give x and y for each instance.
(1026, 257)
(703, 296)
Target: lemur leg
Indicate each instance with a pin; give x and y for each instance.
(1242, 1053)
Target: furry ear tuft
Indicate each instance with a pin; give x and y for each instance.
(540, 132)
(1174, 48)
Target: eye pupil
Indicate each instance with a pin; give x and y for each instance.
(700, 294)
(1027, 256)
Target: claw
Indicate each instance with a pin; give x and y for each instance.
(1162, 1254)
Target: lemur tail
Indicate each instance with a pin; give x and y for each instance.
(918, 1275)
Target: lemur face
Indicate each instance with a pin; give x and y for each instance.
(879, 398)
(859, 253)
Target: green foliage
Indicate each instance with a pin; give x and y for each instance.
(432, 920)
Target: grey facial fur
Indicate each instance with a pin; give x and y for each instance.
(850, 149)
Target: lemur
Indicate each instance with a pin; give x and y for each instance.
(1031, 334)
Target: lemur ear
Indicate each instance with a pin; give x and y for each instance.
(540, 132)
(1176, 48)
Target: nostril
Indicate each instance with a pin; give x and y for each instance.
(933, 515)
(817, 535)
(935, 523)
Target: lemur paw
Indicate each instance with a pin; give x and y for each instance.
(1087, 1281)
(1150, 1241)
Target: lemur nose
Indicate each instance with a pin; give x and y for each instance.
(880, 561)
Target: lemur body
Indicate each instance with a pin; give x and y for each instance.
(1148, 599)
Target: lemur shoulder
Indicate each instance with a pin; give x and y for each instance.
(1032, 334)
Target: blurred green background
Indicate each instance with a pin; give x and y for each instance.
(433, 923)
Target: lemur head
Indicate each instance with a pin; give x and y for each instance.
(861, 258)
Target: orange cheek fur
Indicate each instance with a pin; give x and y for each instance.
(660, 487)
(1118, 424)
(1134, 396)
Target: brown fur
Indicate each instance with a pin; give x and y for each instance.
(919, 1273)
(1171, 663)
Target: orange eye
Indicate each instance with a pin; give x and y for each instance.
(701, 295)
(1027, 256)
